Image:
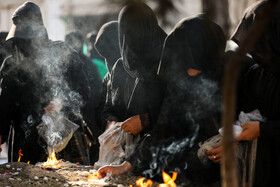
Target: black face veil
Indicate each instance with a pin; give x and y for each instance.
(141, 40)
(196, 43)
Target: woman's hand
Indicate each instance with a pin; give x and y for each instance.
(133, 125)
(55, 105)
(113, 171)
(250, 131)
(109, 123)
(215, 154)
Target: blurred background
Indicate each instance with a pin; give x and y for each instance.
(62, 16)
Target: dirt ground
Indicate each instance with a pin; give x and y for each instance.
(21, 174)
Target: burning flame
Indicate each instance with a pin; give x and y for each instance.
(94, 177)
(52, 162)
(168, 181)
(140, 182)
(19, 155)
(28, 162)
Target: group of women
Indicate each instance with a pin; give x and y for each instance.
(163, 90)
(166, 89)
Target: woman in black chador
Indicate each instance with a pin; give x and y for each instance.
(191, 66)
(260, 89)
(38, 72)
(136, 92)
(107, 45)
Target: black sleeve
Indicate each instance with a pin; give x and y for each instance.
(99, 109)
(7, 96)
(107, 113)
(94, 80)
(270, 129)
(151, 118)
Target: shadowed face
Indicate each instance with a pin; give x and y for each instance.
(23, 45)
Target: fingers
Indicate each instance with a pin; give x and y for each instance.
(242, 136)
(215, 154)
(126, 127)
(214, 151)
(48, 108)
(103, 172)
(123, 126)
(215, 158)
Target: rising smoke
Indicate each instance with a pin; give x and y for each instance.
(199, 99)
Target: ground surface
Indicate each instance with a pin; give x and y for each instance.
(22, 174)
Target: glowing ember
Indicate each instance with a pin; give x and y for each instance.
(140, 183)
(52, 162)
(93, 178)
(19, 155)
(168, 181)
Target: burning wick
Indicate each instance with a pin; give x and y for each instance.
(140, 182)
(168, 181)
(19, 155)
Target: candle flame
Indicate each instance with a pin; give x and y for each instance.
(168, 181)
(140, 182)
(19, 155)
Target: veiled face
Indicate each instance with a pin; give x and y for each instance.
(195, 46)
(141, 40)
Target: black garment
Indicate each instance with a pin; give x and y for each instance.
(75, 40)
(22, 105)
(260, 89)
(39, 71)
(4, 47)
(141, 40)
(128, 96)
(266, 52)
(88, 108)
(27, 22)
(190, 112)
(91, 52)
(95, 85)
(54, 71)
(107, 45)
(99, 110)
(135, 88)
